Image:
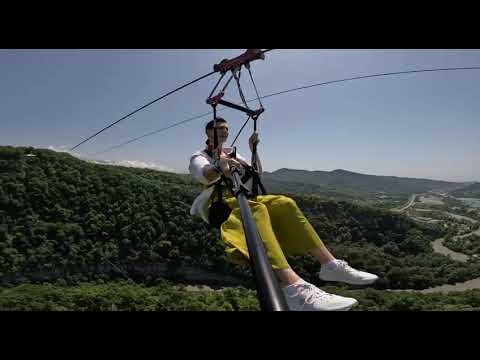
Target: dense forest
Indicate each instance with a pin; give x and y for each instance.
(167, 296)
(469, 244)
(282, 187)
(75, 221)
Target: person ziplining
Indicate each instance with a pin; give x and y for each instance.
(283, 228)
(219, 168)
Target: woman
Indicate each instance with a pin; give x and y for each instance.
(282, 226)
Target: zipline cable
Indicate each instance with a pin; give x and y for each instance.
(143, 107)
(292, 90)
(153, 101)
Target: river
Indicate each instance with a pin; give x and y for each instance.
(440, 249)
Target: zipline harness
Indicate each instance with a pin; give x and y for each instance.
(270, 295)
(235, 67)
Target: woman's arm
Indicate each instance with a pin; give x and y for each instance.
(254, 140)
(202, 170)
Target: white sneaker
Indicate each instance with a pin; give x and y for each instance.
(308, 297)
(342, 272)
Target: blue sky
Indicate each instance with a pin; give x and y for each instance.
(416, 125)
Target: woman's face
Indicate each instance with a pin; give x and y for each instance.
(222, 133)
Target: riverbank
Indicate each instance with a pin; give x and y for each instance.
(439, 248)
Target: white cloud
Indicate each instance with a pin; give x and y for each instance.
(127, 163)
(144, 165)
(136, 164)
(64, 148)
(53, 148)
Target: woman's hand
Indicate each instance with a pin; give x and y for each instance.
(254, 140)
(225, 163)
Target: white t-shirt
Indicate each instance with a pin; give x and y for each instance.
(198, 161)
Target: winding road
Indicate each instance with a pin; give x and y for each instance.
(411, 201)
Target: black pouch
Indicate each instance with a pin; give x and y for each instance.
(218, 213)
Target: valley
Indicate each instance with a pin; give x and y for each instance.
(447, 211)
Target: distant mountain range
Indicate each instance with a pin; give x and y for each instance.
(350, 184)
(338, 184)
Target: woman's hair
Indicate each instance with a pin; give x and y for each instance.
(210, 126)
(210, 123)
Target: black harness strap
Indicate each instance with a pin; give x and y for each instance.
(219, 210)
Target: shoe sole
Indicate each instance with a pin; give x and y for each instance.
(351, 306)
(346, 308)
(350, 283)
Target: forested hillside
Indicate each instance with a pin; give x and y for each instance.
(343, 181)
(80, 221)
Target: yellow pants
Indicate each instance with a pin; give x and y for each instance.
(284, 229)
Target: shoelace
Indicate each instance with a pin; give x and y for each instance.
(311, 293)
(344, 265)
